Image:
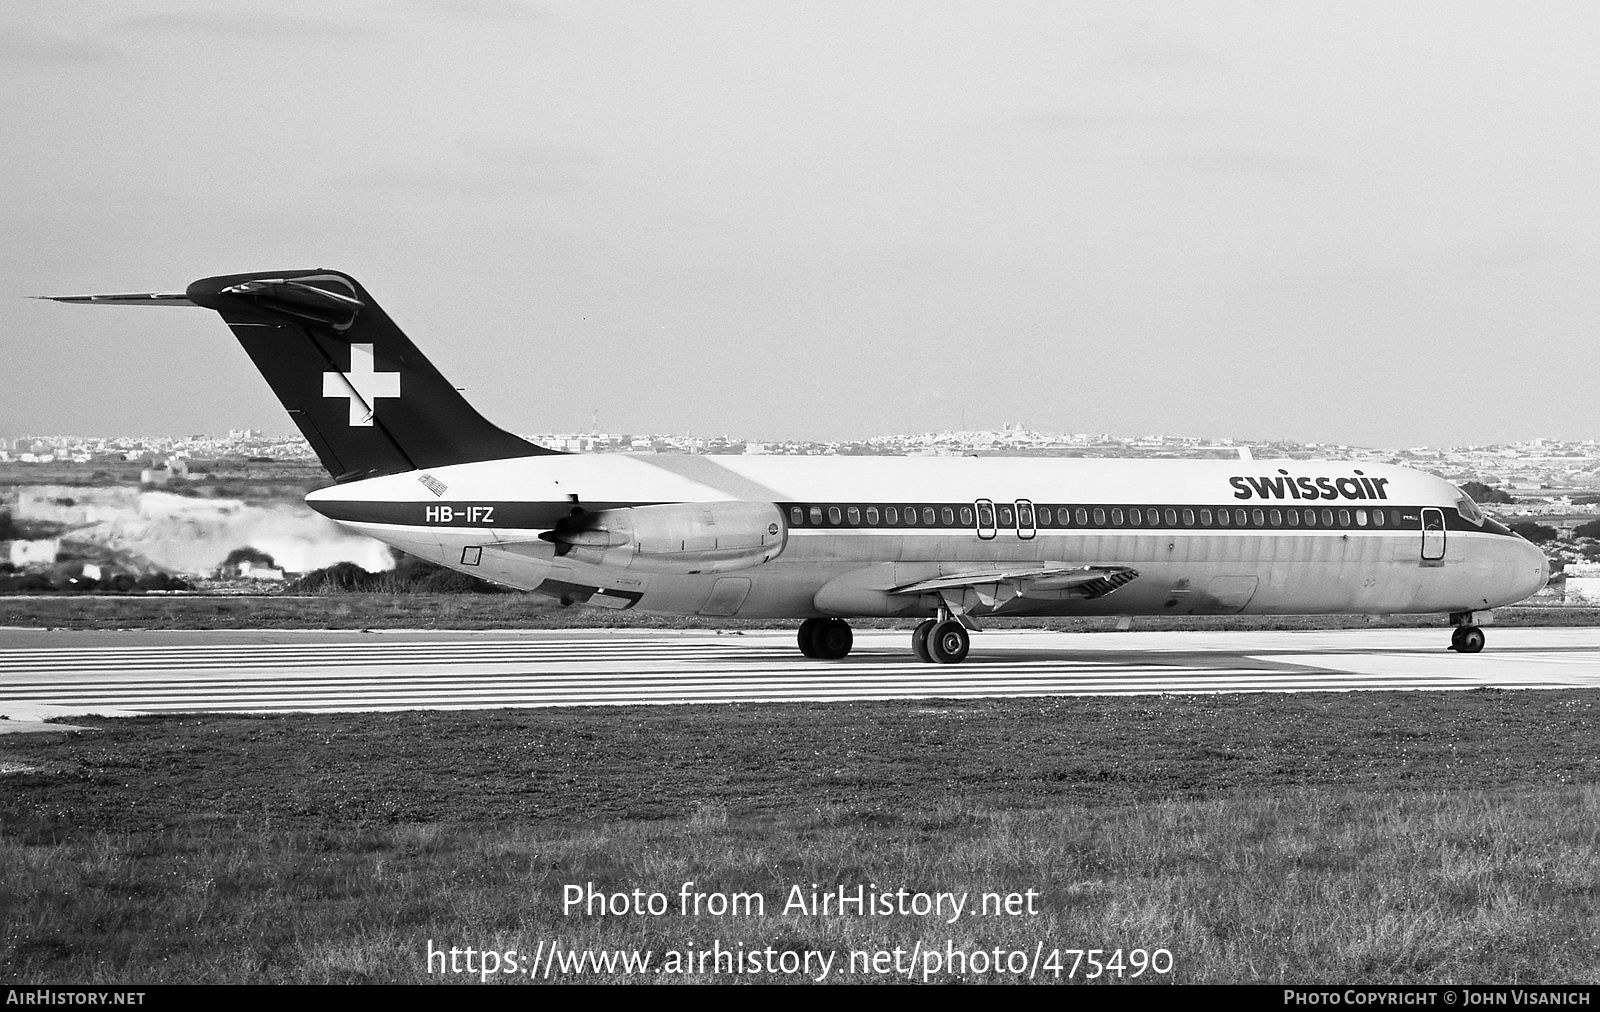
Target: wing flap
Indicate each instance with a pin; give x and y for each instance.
(1089, 581)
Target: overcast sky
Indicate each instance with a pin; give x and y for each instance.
(1364, 223)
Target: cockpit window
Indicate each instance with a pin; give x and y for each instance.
(1468, 509)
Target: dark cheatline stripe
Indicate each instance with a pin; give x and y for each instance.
(523, 515)
(1398, 518)
(477, 514)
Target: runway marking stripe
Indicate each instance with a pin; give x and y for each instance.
(136, 699)
(367, 705)
(642, 669)
(788, 664)
(138, 702)
(636, 679)
(687, 687)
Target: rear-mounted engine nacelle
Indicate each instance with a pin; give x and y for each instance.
(678, 538)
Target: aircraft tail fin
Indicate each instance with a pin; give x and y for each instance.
(365, 398)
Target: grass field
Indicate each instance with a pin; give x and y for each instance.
(1399, 837)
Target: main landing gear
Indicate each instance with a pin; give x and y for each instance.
(937, 641)
(941, 641)
(1467, 638)
(825, 639)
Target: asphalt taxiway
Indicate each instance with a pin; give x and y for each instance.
(48, 674)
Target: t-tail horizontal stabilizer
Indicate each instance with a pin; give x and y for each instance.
(366, 399)
(130, 299)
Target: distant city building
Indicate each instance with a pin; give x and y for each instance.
(41, 552)
(256, 571)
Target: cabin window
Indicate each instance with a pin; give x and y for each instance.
(833, 515)
(985, 515)
(1361, 518)
(1223, 518)
(928, 519)
(1377, 518)
(1172, 518)
(797, 515)
(1007, 518)
(1205, 518)
(1258, 517)
(1116, 517)
(1135, 517)
(854, 515)
(1099, 517)
(1083, 517)
(948, 515)
(1327, 518)
(1344, 518)
(816, 514)
(966, 516)
(1024, 515)
(1043, 513)
(1311, 518)
(1294, 518)
(1277, 518)
(891, 515)
(872, 514)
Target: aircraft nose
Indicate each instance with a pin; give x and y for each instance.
(1533, 571)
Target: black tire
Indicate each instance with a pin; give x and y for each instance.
(832, 639)
(1471, 639)
(919, 640)
(808, 637)
(948, 643)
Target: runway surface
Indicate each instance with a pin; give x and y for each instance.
(47, 674)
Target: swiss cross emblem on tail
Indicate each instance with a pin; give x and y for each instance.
(363, 384)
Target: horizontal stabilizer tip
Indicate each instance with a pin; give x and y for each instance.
(127, 299)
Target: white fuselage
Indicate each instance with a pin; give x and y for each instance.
(1376, 539)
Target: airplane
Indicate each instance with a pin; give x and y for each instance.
(946, 540)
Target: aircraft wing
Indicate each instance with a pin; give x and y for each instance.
(1088, 582)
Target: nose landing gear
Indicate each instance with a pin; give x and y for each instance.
(1467, 639)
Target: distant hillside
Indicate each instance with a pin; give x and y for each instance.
(411, 575)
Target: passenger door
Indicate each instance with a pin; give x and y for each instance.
(1025, 521)
(1432, 534)
(984, 510)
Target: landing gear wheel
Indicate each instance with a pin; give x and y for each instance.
(1467, 639)
(808, 631)
(948, 642)
(919, 640)
(831, 639)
